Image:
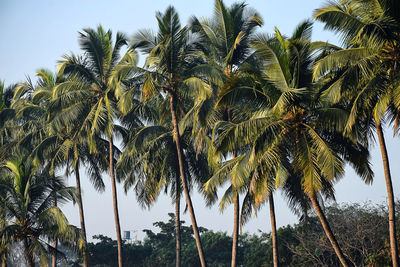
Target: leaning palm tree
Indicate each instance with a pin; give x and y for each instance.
(251, 93)
(225, 45)
(27, 193)
(90, 93)
(170, 63)
(298, 127)
(366, 72)
(311, 126)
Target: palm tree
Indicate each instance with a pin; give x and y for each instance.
(315, 146)
(96, 82)
(63, 149)
(170, 62)
(66, 146)
(50, 143)
(225, 43)
(366, 72)
(33, 112)
(150, 163)
(242, 94)
(298, 128)
(27, 193)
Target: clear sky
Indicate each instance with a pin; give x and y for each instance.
(35, 34)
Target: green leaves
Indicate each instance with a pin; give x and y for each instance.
(337, 60)
(339, 18)
(28, 194)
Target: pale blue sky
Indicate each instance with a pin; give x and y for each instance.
(35, 34)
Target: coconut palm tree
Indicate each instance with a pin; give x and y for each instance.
(65, 146)
(366, 72)
(27, 193)
(314, 149)
(34, 112)
(315, 146)
(63, 150)
(149, 163)
(242, 94)
(93, 85)
(39, 100)
(51, 143)
(224, 42)
(171, 63)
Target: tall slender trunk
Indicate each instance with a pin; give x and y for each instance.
(115, 204)
(54, 257)
(81, 215)
(184, 183)
(273, 231)
(327, 229)
(178, 222)
(235, 236)
(28, 255)
(4, 261)
(389, 187)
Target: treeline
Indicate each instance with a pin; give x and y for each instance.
(363, 228)
(217, 104)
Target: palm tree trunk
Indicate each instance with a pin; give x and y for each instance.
(115, 204)
(273, 230)
(328, 230)
(81, 215)
(28, 255)
(178, 222)
(54, 257)
(388, 179)
(184, 184)
(235, 237)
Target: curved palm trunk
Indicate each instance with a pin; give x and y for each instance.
(388, 179)
(184, 184)
(115, 204)
(273, 231)
(28, 255)
(328, 230)
(81, 215)
(235, 237)
(178, 223)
